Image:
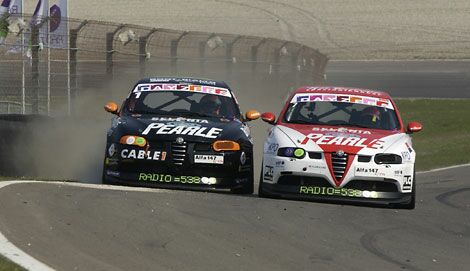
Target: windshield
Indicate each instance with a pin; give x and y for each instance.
(343, 114)
(182, 103)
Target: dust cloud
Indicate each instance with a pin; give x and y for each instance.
(73, 148)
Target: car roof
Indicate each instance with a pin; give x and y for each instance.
(182, 80)
(343, 90)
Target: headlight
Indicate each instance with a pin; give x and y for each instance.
(387, 158)
(225, 145)
(291, 152)
(133, 140)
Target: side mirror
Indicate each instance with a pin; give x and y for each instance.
(414, 127)
(252, 115)
(111, 108)
(268, 117)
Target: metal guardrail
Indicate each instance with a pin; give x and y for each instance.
(99, 52)
(9, 107)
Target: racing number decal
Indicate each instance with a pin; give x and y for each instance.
(408, 181)
(268, 173)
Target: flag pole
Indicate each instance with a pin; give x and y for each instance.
(23, 77)
(69, 98)
(48, 25)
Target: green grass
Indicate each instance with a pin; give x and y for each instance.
(444, 140)
(7, 265)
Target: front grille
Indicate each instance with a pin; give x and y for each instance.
(339, 164)
(178, 152)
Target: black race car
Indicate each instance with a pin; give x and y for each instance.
(180, 133)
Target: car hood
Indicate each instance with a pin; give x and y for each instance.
(191, 129)
(351, 140)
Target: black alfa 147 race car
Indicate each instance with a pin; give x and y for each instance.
(181, 133)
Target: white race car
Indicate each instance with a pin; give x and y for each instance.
(346, 144)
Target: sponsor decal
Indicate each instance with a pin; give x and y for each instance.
(362, 171)
(143, 155)
(112, 173)
(316, 167)
(321, 139)
(243, 158)
(349, 90)
(279, 164)
(406, 156)
(408, 147)
(268, 173)
(179, 120)
(407, 183)
(307, 97)
(186, 80)
(208, 159)
(367, 170)
(170, 129)
(272, 148)
(111, 161)
(112, 150)
(241, 180)
(342, 192)
(375, 172)
(398, 172)
(165, 178)
(181, 88)
(341, 131)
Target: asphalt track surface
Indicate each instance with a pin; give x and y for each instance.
(83, 228)
(78, 228)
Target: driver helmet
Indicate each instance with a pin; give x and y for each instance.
(210, 104)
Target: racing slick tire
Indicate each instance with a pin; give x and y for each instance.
(411, 204)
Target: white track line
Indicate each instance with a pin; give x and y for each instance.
(399, 60)
(13, 253)
(16, 255)
(444, 168)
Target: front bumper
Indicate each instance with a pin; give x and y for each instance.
(177, 181)
(312, 179)
(332, 194)
(173, 170)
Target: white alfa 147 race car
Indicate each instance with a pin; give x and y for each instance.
(340, 144)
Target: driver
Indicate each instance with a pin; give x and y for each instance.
(310, 109)
(210, 104)
(370, 116)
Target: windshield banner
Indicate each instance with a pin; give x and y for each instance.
(342, 98)
(182, 87)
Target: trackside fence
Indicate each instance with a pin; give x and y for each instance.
(40, 79)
